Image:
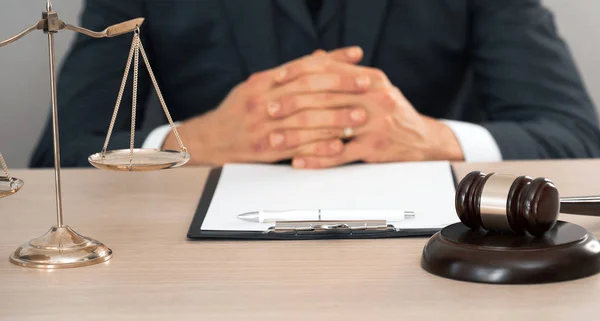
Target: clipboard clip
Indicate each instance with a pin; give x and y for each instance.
(348, 227)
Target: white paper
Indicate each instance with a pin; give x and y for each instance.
(427, 188)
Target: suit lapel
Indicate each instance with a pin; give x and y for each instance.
(297, 11)
(253, 27)
(330, 9)
(363, 21)
(252, 23)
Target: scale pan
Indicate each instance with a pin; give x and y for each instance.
(8, 188)
(144, 160)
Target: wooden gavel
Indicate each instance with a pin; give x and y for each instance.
(516, 204)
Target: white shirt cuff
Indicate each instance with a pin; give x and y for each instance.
(477, 143)
(157, 137)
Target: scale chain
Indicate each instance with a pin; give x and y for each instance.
(136, 40)
(119, 97)
(160, 97)
(137, 48)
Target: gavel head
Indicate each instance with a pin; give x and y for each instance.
(506, 203)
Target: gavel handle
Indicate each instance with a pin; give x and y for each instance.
(589, 205)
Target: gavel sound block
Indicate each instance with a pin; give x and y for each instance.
(509, 234)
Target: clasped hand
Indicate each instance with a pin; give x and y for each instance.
(322, 110)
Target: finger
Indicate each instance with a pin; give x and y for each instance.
(377, 78)
(352, 54)
(326, 148)
(325, 82)
(316, 62)
(292, 104)
(326, 118)
(319, 52)
(352, 152)
(285, 139)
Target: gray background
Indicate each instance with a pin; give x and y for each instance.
(24, 77)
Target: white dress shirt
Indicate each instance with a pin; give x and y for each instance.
(476, 142)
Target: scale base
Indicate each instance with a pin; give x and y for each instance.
(567, 252)
(60, 247)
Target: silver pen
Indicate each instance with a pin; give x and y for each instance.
(326, 215)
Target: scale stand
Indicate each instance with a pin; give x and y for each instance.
(61, 246)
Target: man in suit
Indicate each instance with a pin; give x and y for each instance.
(326, 83)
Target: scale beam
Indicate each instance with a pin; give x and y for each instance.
(112, 31)
(37, 26)
(51, 23)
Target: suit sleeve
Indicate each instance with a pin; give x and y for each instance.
(525, 77)
(88, 85)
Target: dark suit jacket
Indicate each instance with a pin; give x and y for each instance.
(497, 63)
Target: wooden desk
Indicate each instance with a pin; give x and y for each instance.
(157, 274)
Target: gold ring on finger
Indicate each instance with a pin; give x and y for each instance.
(348, 132)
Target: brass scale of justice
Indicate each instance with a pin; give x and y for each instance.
(508, 234)
(61, 246)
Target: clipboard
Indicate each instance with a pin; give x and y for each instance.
(297, 230)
